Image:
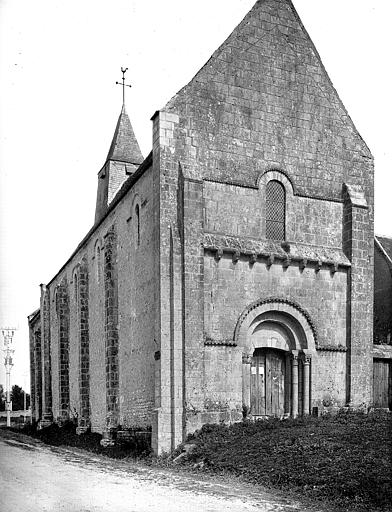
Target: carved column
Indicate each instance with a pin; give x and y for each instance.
(246, 362)
(306, 390)
(287, 384)
(294, 383)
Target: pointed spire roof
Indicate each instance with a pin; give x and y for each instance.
(124, 146)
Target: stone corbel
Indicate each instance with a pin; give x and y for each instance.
(236, 256)
(334, 268)
(319, 264)
(303, 263)
(253, 258)
(270, 260)
(218, 254)
(287, 262)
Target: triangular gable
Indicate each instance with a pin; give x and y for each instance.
(265, 100)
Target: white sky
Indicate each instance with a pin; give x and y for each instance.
(59, 104)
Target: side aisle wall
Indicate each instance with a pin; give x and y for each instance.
(102, 315)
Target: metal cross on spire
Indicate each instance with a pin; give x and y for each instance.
(123, 71)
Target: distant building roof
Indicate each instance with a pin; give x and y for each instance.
(384, 244)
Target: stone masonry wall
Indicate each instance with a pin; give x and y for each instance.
(137, 310)
(239, 211)
(38, 376)
(110, 277)
(92, 268)
(263, 101)
(84, 348)
(264, 105)
(74, 343)
(32, 369)
(231, 287)
(168, 424)
(313, 226)
(97, 332)
(359, 247)
(47, 413)
(62, 304)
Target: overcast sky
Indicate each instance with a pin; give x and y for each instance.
(59, 104)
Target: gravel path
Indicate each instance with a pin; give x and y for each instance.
(36, 477)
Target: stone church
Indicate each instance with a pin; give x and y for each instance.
(230, 273)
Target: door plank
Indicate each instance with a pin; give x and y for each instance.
(268, 403)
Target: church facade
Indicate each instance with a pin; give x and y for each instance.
(230, 273)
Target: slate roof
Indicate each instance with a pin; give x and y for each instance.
(386, 245)
(124, 146)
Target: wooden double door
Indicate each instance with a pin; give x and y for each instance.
(382, 383)
(267, 383)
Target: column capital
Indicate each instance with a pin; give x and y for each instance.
(306, 357)
(294, 356)
(246, 358)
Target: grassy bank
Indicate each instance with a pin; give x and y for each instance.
(344, 460)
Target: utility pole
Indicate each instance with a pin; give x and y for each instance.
(24, 399)
(8, 334)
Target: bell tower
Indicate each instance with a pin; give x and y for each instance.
(123, 158)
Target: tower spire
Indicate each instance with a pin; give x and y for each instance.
(123, 71)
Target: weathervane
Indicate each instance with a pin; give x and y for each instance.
(123, 71)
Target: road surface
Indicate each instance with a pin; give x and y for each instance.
(36, 477)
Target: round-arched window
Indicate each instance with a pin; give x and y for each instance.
(275, 211)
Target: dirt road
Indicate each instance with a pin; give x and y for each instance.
(39, 478)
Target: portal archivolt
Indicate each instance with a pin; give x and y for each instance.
(278, 342)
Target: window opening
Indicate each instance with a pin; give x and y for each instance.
(76, 286)
(275, 211)
(98, 264)
(137, 223)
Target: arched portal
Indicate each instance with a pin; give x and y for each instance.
(278, 340)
